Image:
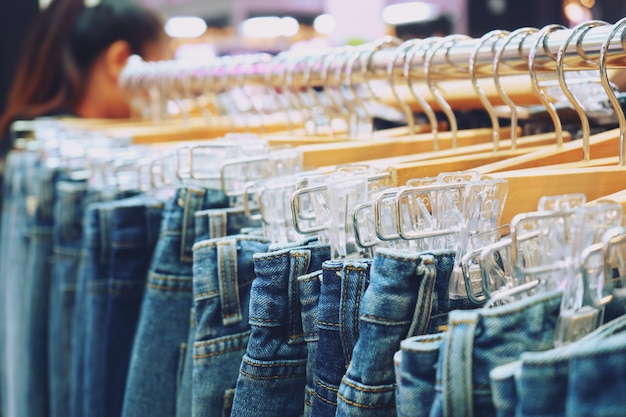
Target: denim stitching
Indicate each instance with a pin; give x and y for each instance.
(222, 339)
(359, 405)
(213, 354)
(264, 320)
(269, 377)
(272, 365)
(386, 320)
(447, 394)
(326, 386)
(234, 288)
(346, 381)
(164, 288)
(327, 401)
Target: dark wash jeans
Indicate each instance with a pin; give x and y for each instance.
(159, 351)
(120, 253)
(408, 295)
(272, 377)
(343, 285)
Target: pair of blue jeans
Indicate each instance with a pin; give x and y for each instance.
(223, 272)
(408, 295)
(122, 238)
(539, 383)
(210, 224)
(89, 306)
(19, 205)
(159, 352)
(342, 287)
(272, 376)
(69, 207)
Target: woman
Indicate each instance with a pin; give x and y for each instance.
(73, 57)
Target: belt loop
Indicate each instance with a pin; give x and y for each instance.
(192, 203)
(457, 364)
(105, 215)
(299, 260)
(425, 296)
(217, 223)
(228, 281)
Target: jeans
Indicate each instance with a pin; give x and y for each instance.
(159, 351)
(18, 208)
(539, 384)
(343, 285)
(407, 296)
(597, 379)
(478, 341)
(68, 232)
(210, 224)
(310, 285)
(272, 377)
(415, 365)
(223, 272)
(88, 324)
(121, 252)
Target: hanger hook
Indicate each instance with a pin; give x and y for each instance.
(316, 97)
(327, 61)
(532, 62)
(577, 33)
(604, 78)
(421, 46)
(269, 82)
(351, 62)
(401, 52)
(446, 43)
(496, 76)
(377, 46)
(479, 91)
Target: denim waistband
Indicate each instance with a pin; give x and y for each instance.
(214, 223)
(481, 340)
(70, 206)
(180, 214)
(270, 308)
(112, 224)
(216, 271)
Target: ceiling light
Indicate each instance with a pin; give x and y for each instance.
(400, 14)
(185, 27)
(270, 27)
(324, 24)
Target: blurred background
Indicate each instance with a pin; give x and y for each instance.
(203, 29)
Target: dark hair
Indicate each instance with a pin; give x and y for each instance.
(61, 47)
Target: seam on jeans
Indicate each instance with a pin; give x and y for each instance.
(365, 389)
(386, 320)
(205, 294)
(298, 336)
(222, 352)
(359, 405)
(212, 243)
(311, 278)
(165, 288)
(222, 278)
(343, 310)
(244, 373)
(233, 278)
(264, 320)
(356, 312)
(157, 276)
(274, 365)
(222, 339)
(327, 401)
(326, 386)
(294, 285)
(464, 360)
(338, 268)
(328, 324)
(265, 258)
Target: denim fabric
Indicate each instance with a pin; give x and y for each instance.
(542, 377)
(503, 389)
(404, 294)
(211, 224)
(223, 272)
(597, 379)
(89, 304)
(18, 208)
(184, 400)
(342, 288)
(68, 232)
(310, 285)
(36, 290)
(157, 361)
(134, 232)
(415, 365)
(272, 377)
(479, 341)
